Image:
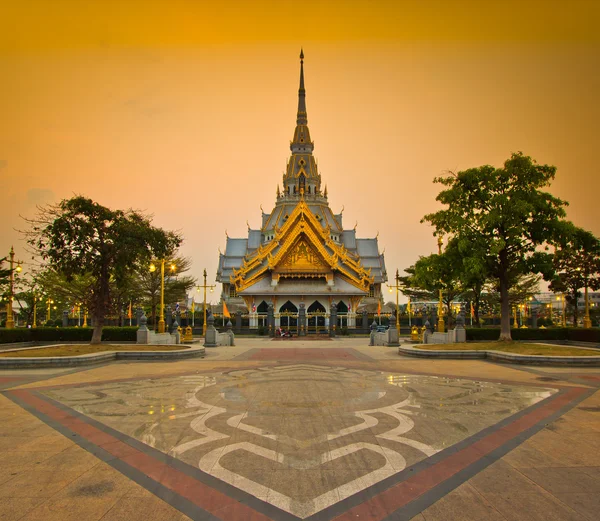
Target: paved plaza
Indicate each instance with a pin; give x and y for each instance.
(288, 430)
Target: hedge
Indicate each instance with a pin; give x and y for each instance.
(66, 334)
(554, 333)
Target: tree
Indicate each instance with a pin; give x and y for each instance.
(4, 274)
(577, 265)
(506, 216)
(431, 274)
(176, 285)
(80, 237)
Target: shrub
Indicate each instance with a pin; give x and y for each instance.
(261, 330)
(481, 334)
(583, 335)
(66, 334)
(8, 336)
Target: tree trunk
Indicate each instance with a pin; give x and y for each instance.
(504, 308)
(98, 324)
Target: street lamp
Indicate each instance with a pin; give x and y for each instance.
(397, 287)
(561, 297)
(211, 287)
(10, 321)
(49, 303)
(172, 267)
(441, 325)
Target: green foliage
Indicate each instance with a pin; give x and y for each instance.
(79, 237)
(8, 336)
(66, 334)
(504, 216)
(4, 275)
(262, 331)
(554, 333)
(577, 265)
(147, 284)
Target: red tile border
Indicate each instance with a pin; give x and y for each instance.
(187, 487)
(401, 494)
(376, 508)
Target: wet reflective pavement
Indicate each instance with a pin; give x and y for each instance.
(321, 431)
(300, 437)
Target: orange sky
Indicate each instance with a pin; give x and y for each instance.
(186, 109)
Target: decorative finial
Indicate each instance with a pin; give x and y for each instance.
(261, 209)
(301, 191)
(278, 192)
(301, 53)
(376, 236)
(219, 248)
(247, 224)
(342, 210)
(325, 192)
(355, 225)
(226, 234)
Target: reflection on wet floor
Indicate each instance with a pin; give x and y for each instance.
(302, 436)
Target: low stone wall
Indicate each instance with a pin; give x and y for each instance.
(388, 337)
(147, 337)
(500, 356)
(96, 358)
(451, 337)
(225, 339)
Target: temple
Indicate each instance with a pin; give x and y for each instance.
(301, 256)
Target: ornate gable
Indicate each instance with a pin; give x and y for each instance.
(301, 248)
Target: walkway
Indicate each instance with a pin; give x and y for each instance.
(319, 430)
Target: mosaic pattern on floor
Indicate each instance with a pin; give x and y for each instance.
(300, 437)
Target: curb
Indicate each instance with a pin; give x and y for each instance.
(97, 358)
(500, 356)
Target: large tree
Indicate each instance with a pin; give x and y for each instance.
(577, 266)
(81, 237)
(507, 217)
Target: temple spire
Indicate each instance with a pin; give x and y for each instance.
(301, 119)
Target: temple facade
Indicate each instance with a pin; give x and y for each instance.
(301, 257)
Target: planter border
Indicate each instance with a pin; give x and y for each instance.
(97, 358)
(501, 356)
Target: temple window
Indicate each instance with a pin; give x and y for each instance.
(372, 290)
(232, 291)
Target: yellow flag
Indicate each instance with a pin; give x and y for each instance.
(225, 311)
(130, 312)
(408, 306)
(379, 308)
(193, 305)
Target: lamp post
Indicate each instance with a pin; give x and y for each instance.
(587, 322)
(10, 321)
(35, 299)
(211, 287)
(563, 317)
(441, 325)
(161, 320)
(49, 303)
(397, 287)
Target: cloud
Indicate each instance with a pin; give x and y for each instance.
(40, 196)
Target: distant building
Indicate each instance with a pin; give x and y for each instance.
(302, 254)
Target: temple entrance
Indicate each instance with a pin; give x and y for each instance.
(261, 311)
(342, 311)
(288, 317)
(315, 315)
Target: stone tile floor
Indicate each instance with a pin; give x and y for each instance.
(322, 430)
